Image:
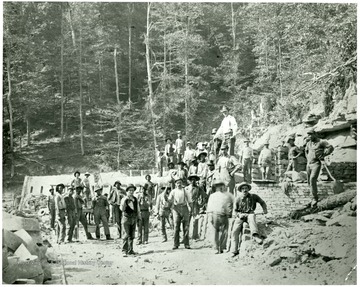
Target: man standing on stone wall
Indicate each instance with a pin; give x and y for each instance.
(315, 152)
(228, 124)
(60, 207)
(180, 147)
(246, 158)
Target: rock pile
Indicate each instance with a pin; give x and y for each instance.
(24, 252)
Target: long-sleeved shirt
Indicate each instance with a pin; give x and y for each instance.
(202, 170)
(59, 202)
(51, 202)
(246, 153)
(145, 203)
(225, 165)
(100, 202)
(178, 196)
(170, 149)
(227, 123)
(316, 150)
(221, 203)
(247, 204)
(116, 195)
(265, 157)
(76, 182)
(162, 204)
(180, 146)
(86, 183)
(189, 154)
(293, 152)
(130, 207)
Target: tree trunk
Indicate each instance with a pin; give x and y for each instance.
(81, 98)
(164, 84)
(280, 71)
(330, 202)
(187, 78)
(28, 130)
(130, 50)
(100, 81)
(148, 65)
(233, 32)
(12, 172)
(62, 77)
(116, 78)
(119, 141)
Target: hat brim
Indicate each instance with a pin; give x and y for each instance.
(244, 184)
(77, 172)
(202, 153)
(132, 186)
(117, 182)
(191, 177)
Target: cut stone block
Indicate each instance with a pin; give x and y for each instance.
(15, 223)
(22, 252)
(28, 241)
(11, 240)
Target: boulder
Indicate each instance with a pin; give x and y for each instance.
(342, 220)
(312, 217)
(326, 213)
(290, 256)
(11, 240)
(15, 223)
(275, 261)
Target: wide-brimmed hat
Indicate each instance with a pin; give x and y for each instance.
(76, 173)
(213, 131)
(243, 184)
(202, 152)
(181, 162)
(87, 173)
(193, 176)
(188, 143)
(168, 138)
(176, 179)
(224, 109)
(178, 132)
(146, 176)
(170, 164)
(224, 146)
(210, 162)
(118, 181)
(98, 187)
(60, 185)
(131, 186)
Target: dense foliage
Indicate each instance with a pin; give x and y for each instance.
(275, 59)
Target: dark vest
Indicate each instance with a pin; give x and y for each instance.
(128, 212)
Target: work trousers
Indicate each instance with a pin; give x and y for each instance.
(232, 146)
(87, 196)
(179, 157)
(237, 230)
(247, 169)
(129, 227)
(100, 216)
(60, 226)
(165, 216)
(313, 171)
(220, 222)
(71, 217)
(265, 171)
(231, 185)
(293, 165)
(143, 226)
(181, 215)
(117, 214)
(80, 217)
(52, 212)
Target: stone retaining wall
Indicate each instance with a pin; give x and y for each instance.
(299, 195)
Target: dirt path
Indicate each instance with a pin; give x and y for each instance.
(101, 262)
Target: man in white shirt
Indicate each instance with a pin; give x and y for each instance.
(246, 159)
(180, 201)
(265, 161)
(189, 154)
(228, 123)
(180, 147)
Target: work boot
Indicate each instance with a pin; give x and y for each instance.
(164, 240)
(89, 236)
(108, 237)
(175, 247)
(235, 254)
(187, 246)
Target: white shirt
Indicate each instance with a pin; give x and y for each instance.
(227, 123)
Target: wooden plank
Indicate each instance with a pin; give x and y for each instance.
(23, 192)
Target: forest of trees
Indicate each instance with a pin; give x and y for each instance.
(128, 74)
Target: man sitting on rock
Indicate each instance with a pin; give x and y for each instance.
(245, 205)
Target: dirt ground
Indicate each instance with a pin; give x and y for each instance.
(309, 253)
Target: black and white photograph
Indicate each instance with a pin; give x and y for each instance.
(179, 143)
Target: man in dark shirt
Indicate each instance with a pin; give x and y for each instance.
(131, 213)
(80, 216)
(71, 213)
(145, 205)
(115, 197)
(51, 207)
(294, 153)
(245, 205)
(100, 204)
(315, 152)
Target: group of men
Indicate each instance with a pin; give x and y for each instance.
(203, 182)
